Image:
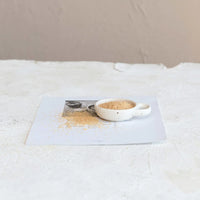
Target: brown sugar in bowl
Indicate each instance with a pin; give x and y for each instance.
(120, 109)
(118, 105)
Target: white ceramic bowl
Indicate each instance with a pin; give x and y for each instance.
(139, 109)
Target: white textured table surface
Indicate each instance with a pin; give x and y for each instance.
(159, 171)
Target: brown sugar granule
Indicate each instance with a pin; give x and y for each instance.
(82, 118)
(117, 105)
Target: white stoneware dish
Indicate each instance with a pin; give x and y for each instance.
(139, 109)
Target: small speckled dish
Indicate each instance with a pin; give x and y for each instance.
(138, 110)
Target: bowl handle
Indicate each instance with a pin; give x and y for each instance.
(141, 109)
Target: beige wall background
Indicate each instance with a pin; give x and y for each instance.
(133, 31)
